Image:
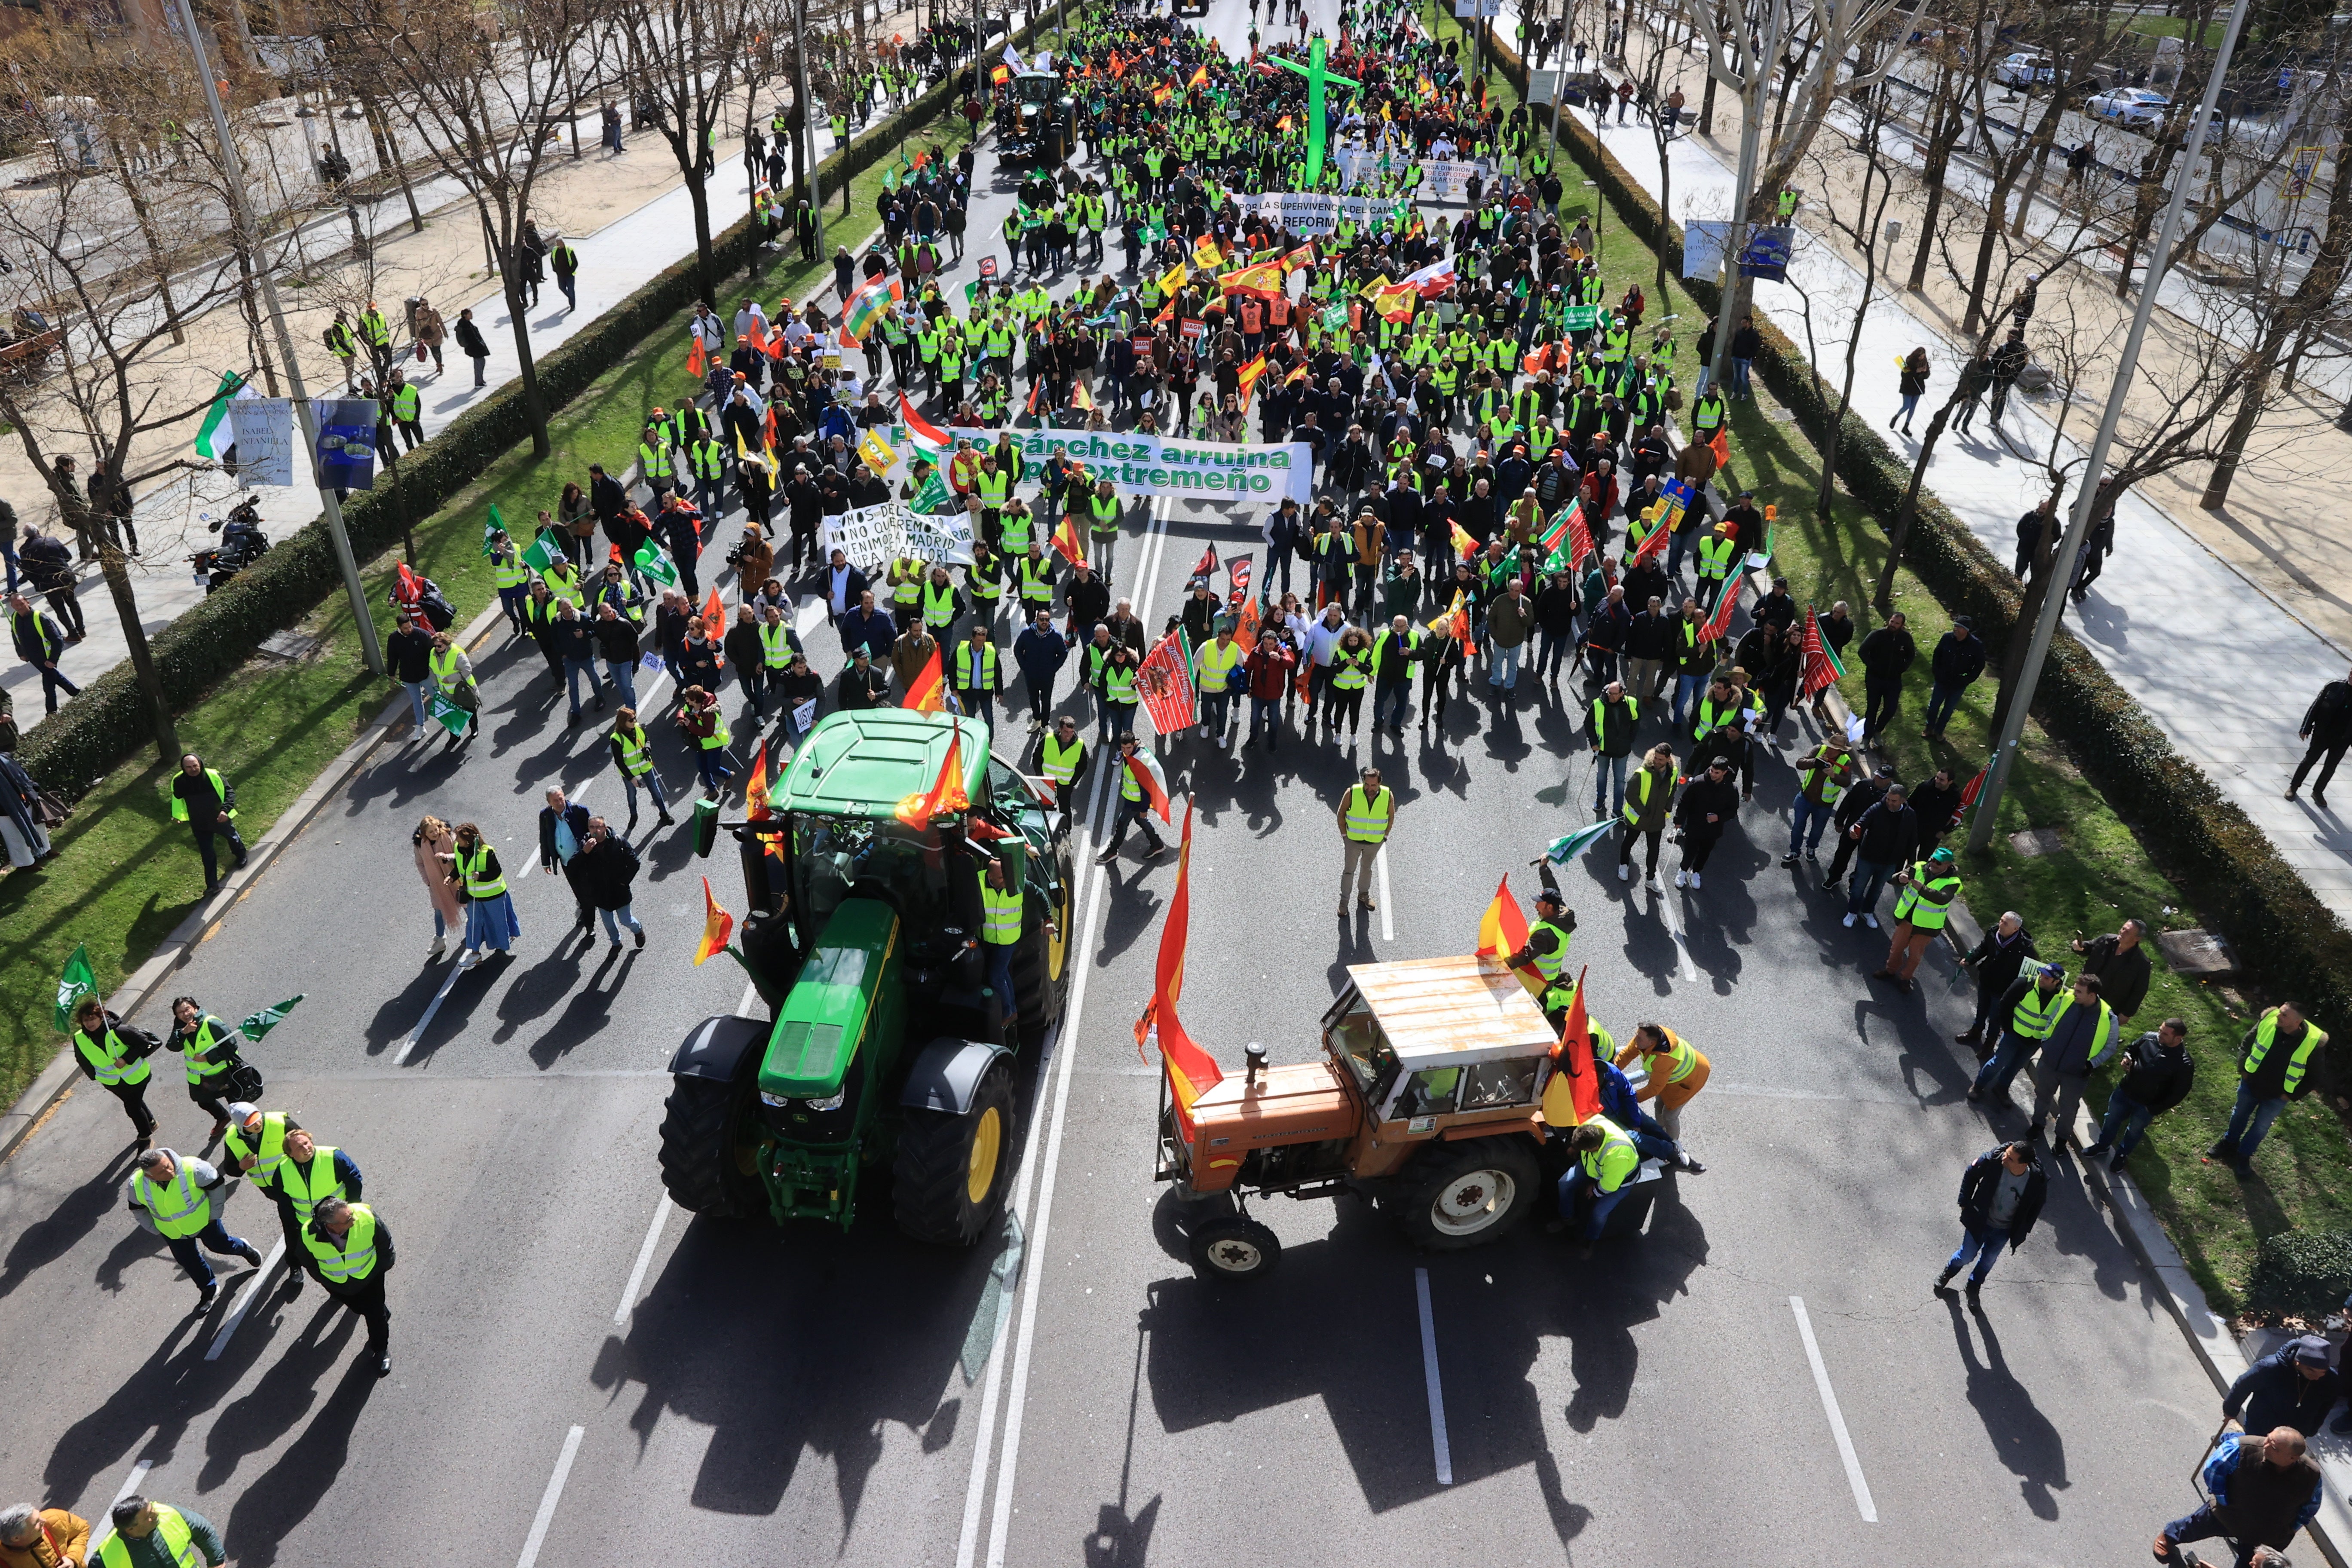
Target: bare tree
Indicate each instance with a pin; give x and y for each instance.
(487, 110)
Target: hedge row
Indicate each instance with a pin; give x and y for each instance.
(71, 749)
(2289, 943)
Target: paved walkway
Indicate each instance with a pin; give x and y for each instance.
(629, 217)
(2223, 667)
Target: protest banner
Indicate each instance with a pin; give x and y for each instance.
(875, 535)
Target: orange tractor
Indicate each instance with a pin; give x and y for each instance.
(1429, 1102)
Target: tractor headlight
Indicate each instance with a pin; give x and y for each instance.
(776, 1101)
(830, 1102)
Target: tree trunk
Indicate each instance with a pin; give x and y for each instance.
(1882, 598)
(110, 564)
(534, 406)
(706, 258)
(2233, 441)
(2029, 609)
(387, 152)
(2153, 168)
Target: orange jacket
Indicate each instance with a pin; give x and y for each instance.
(64, 1539)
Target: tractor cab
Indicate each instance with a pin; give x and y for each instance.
(1431, 1046)
(1037, 122)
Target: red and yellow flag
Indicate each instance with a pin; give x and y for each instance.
(1573, 1093)
(718, 925)
(1161, 94)
(1067, 543)
(926, 693)
(1263, 280)
(1249, 374)
(1190, 1070)
(1200, 78)
(1502, 930)
(946, 794)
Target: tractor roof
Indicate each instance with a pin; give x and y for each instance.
(1448, 1012)
(863, 763)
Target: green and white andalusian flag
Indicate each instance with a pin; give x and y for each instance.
(1567, 846)
(654, 561)
(76, 982)
(207, 445)
(259, 1023)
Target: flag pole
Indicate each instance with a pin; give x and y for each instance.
(2053, 598)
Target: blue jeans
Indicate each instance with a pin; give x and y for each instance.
(1869, 881)
(2125, 1121)
(999, 978)
(711, 763)
(2002, 1066)
(416, 701)
(1574, 1183)
(2250, 1122)
(1505, 671)
(1940, 704)
(1984, 1245)
(1739, 377)
(512, 600)
(1687, 690)
(652, 784)
(1910, 402)
(1607, 778)
(622, 672)
(1398, 694)
(1819, 815)
(616, 919)
(215, 1238)
(1266, 711)
(573, 668)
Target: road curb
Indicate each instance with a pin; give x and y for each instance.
(140, 986)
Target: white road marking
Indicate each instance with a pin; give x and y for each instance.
(1380, 869)
(131, 1483)
(1065, 1034)
(417, 1034)
(1437, 1442)
(244, 1299)
(1674, 922)
(1837, 1419)
(548, 1500)
(644, 1261)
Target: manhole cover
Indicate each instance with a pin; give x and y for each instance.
(2198, 952)
(290, 645)
(2036, 841)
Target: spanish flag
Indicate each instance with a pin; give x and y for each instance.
(1249, 374)
(718, 925)
(1146, 769)
(1190, 1070)
(946, 794)
(1067, 542)
(999, 76)
(1200, 78)
(925, 693)
(1502, 930)
(1264, 278)
(1572, 1094)
(1161, 94)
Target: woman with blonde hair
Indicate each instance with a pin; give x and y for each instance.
(474, 870)
(433, 843)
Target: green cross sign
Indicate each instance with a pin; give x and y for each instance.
(1319, 78)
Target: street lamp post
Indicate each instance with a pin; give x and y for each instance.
(241, 215)
(2053, 599)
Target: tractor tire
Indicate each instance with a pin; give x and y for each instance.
(1232, 1247)
(1041, 974)
(1468, 1194)
(701, 1168)
(948, 1180)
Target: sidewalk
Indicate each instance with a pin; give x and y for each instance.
(629, 217)
(2226, 675)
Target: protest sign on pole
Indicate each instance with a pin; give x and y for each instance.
(263, 431)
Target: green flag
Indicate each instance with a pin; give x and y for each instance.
(1758, 559)
(1575, 318)
(932, 496)
(544, 552)
(1568, 845)
(76, 982)
(654, 561)
(231, 384)
(491, 528)
(268, 1018)
(453, 719)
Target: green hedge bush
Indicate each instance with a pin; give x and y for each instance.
(73, 748)
(2291, 944)
(2300, 1274)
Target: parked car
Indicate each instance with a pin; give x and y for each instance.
(2134, 108)
(2025, 70)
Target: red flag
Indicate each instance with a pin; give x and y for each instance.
(1973, 788)
(1190, 1070)
(1146, 769)
(1574, 1063)
(1036, 391)
(1207, 566)
(714, 609)
(946, 794)
(768, 428)
(759, 336)
(407, 589)
(1165, 679)
(1721, 447)
(1719, 624)
(1237, 573)
(926, 692)
(921, 428)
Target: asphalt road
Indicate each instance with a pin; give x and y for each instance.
(583, 1375)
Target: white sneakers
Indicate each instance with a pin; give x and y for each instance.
(440, 946)
(1624, 872)
(1695, 881)
(1848, 921)
(468, 958)
(1870, 921)
(1682, 879)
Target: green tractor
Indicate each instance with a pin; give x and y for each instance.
(886, 1054)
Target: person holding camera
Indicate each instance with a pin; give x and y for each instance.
(208, 1048)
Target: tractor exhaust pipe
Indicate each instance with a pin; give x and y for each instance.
(1256, 1054)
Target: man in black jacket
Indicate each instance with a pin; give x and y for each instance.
(1884, 835)
(470, 343)
(605, 496)
(40, 644)
(49, 567)
(406, 656)
(1994, 961)
(2158, 1072)
(561, 850)
(862, 684)
(1886, 653)
(2120, 961)
(1936, 803)
(1958, 659)
(1709, 805)
(2291, 1386)
(2327, 725)
(1857, 800)
(2002, 1193)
